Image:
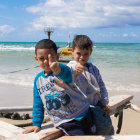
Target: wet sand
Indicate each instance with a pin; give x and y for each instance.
(13, 95)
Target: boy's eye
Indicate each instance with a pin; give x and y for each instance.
(41, 58)
(78, 53)
(52, 56)
(85, 54)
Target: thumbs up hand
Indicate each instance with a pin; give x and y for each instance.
(54, 66)
(79, 68)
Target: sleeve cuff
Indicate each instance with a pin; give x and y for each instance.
(37, 124)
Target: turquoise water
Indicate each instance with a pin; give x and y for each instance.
(119, 64)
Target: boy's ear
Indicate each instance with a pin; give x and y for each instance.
(36, 58)
(90, 52)
(72, 51)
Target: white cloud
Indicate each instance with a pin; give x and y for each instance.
(129, 35)
(133, 34)
(125, 35)
(5, 29)
(89, 13)
(108, 34)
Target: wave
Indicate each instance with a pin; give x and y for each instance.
(122, 87)
(15, 48)
(23, 80)
(27, 80)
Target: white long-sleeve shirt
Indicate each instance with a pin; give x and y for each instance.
(90, 83)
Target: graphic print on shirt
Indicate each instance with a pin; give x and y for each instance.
(55, 99)
(55, 96)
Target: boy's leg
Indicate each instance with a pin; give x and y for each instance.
(86, 126)
(88, 123)
(102, 121)
(72, 128)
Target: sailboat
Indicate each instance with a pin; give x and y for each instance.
(65, 54)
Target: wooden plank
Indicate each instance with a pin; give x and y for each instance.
(134, 107)
(16, 109)
(117, 101)
(7, 130)
(109, 137)
(20, 123)
(11, 132)
(49, 132)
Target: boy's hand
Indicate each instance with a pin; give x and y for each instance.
(54, 66)
(79, 68)
(107, 109)
(31, 129)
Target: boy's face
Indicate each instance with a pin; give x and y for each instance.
(42, 58)
(81, 55)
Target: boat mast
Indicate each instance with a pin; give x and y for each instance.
(69, 40)
(48, 30)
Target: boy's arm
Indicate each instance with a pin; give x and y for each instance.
(38, 109)
(65, 73)
(60, 70)
(103, 90)
(38, 113)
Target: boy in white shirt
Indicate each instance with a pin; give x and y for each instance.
(87, 77)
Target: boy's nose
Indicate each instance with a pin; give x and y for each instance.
(81, 56)
(45, 60)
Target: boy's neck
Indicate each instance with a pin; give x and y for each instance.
(46, 73)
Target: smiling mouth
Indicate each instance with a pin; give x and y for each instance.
(82, 60)
(47, 65)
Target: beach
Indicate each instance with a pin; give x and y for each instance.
(22, 96)
(13, 95)
(130, 125)
(118, 63)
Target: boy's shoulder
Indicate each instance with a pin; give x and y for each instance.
(63, 66)
(38, 75)
(91, 65)
(88, 63)
(72, 62)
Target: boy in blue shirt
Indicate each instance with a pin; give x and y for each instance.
(55, 91)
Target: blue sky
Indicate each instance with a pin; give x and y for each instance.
(101, 20)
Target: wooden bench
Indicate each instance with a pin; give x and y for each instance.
(49, 132)
(114, 137)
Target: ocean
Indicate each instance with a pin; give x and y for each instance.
(119, 65)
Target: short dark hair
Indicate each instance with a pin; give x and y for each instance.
(83, 42)
(45, 44)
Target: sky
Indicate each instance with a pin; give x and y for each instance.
(116, 21)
